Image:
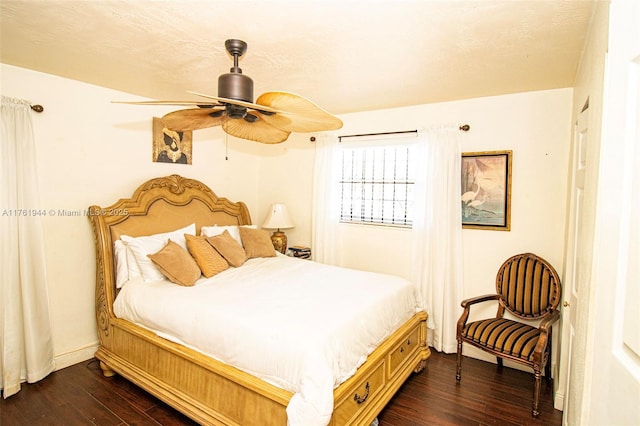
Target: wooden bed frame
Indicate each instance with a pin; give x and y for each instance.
(206, 390)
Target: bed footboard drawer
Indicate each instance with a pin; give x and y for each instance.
(363, 392)
(405, 349)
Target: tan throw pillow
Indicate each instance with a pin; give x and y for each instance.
(176, 264)
(229, 248)
(207, 258)
(257, 243)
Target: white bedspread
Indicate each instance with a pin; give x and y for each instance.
(300, 325)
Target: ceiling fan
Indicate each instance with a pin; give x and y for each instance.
(271, 119)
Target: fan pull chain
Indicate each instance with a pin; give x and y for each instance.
(226, 147)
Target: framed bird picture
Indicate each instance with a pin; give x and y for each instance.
(486, 190)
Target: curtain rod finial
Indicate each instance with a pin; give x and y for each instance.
(37, 108)
(465, 127)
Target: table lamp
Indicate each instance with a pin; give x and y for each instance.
(278, 218)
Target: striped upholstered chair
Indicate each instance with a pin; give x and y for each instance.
(529, 289)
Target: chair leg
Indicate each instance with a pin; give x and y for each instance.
(536, 390)
(459, 360)
(500, 361)
(547, 370)
(547, 367)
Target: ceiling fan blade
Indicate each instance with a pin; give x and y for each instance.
(193, 119)
(298, 114)
(239, 103)
(176, 103)
(258, 131)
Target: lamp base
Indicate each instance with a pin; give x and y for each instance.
(279, 241)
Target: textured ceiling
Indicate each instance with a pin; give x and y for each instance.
(345, 55)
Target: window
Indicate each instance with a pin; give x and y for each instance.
(377, 183)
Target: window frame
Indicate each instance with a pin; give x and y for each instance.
(368, 182)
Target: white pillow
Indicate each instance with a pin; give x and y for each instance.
(212, 231)
(127, 268)
(142, 246)
(122, 268)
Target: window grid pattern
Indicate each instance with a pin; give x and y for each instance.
(377, 185)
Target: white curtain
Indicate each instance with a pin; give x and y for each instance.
(437, 233)
(325, 209)
(26, 348)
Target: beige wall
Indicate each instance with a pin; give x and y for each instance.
(535, 126)
(91, 152)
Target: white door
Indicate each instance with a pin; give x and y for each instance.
(576, 270)
(613, 392)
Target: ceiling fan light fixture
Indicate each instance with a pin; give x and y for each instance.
(235, 111)
(251, 118)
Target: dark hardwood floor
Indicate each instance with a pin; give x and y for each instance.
(487, 395)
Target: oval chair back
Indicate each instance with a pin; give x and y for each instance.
(529, 286)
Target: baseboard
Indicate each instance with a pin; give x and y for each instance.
(70, 358)
(558, 401)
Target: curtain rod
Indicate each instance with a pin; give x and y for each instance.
(463, 127)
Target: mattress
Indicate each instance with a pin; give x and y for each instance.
(297, 324)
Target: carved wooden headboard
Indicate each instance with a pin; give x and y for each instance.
(159, 205)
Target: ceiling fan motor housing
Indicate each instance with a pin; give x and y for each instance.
(235, 86)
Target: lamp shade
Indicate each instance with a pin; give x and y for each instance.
(278, 218)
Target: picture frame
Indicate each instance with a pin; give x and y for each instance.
(486, 190)
(170, 146)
